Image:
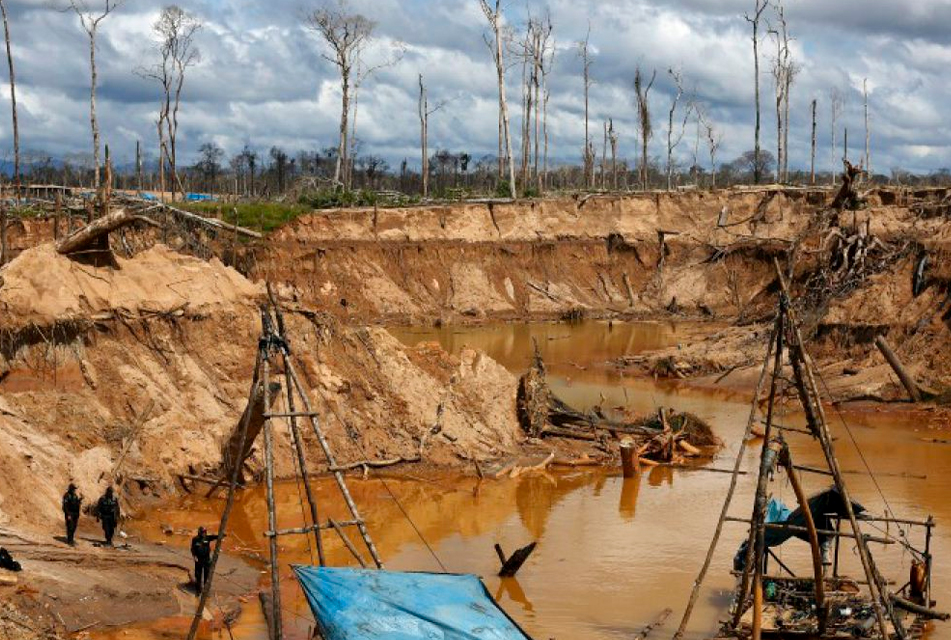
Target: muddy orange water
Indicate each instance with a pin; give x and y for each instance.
(612, 553)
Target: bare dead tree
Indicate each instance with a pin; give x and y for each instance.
(584, 52)
(424, 113)
(345, 34)
(759, 7)
(714, 140)
(812, 164)
(532, 51)
(494, 17)
(90, 21)
(642, 93)
(835, 104)
(674, 137)
(868, 133)
(13, 108)
(363, 73)
(16, 135)
(613, 137)
(784, 71)
(175, 33)
(546, 69)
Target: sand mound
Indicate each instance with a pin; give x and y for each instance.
(42, 287)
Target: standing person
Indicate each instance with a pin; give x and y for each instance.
(201, 552)
(107, 512)
(71, 506)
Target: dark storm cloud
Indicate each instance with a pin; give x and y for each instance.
(262, 79)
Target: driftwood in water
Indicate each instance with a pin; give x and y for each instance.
(660, 620)
(511, 565)
(541, 413)
(95, 232)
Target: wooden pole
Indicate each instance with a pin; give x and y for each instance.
(223, 525)
(756, 544)
(272, 519)
(630, 463)
(332, 462)
(821, 614)
(737, 463)
(910, 386)
(295, 432)
(810, 397)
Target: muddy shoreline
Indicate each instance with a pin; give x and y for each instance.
(86, 349)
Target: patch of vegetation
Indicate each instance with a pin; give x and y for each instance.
(338, 198)
(263, 216)
(503, 190)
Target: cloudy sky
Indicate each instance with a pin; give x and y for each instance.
(262, 80)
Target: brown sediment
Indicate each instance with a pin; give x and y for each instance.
(84, 349)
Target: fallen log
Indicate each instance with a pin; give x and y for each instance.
(99, 228)
(373, 464)
(918, 609)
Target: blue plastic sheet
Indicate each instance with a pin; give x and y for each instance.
(360, 604)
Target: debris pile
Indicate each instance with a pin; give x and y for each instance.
(663, 437)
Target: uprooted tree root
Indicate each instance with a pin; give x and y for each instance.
(543, 414)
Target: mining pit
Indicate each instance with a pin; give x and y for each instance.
(137, 371)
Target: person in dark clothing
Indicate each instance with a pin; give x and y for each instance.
(107, 512)
(201, 552)
(71, 506)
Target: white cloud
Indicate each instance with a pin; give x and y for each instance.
(262, 79)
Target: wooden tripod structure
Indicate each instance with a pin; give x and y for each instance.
(786, 340)
(274, 357)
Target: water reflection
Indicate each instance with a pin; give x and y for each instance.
(611, 552)
(630, 488)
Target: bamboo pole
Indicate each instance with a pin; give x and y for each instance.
(737, 463)
(223, 525)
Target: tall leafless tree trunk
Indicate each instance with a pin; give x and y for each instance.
(642, 92)
(494, 16)
(612, 136)
(13, 108)
(812, 164)
(714, 139)
(835, 104)
(784, 71)
(175, 31)
(345, 34)
(868, 134)
(424, 113)
(16, 136)
(674, 137)
(760, 7)
(423, 135)
(584, 53)
(90, 22)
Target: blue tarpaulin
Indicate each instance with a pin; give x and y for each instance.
(361, 604)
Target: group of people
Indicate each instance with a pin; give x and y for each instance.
(106, 511)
